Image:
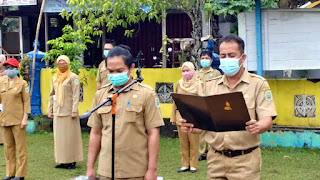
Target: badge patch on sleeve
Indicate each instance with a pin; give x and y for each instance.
(76, 81)
(157, 102)
(27, 89)
(268, 95)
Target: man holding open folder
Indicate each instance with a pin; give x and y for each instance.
(235, 154)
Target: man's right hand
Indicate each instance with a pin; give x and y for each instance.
(91, 173)
(50, 115)
(188, 127)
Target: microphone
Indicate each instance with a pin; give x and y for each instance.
(139, 77)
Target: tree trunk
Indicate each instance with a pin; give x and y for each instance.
(195, 14)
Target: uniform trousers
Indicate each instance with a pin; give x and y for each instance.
(221, 167)
(14, 138)
(189, 145)
(1, 141)
(203, 145)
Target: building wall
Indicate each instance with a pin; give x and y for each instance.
(290, 38)
(284, 92)
(151, 77)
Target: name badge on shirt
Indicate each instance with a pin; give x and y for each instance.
(1, 107)
(54, 97)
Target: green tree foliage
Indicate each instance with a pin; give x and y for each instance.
(233, 7)
(24, 69)
(88, 14)
(72, 43)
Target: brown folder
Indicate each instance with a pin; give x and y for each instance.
(219, 113)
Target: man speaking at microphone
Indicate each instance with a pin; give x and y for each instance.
(137, 124)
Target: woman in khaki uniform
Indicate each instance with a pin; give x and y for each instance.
(189, 143)
(2, 75)
(63, 108)
(15, 107)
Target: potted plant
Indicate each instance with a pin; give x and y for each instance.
(39, 123)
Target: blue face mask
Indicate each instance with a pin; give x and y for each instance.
(205, 63)
(118, 79)
(230, 66)
(11, 73)
(106, 52)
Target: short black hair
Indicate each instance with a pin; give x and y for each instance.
(124, 52)
(236, 39)
(111, 41)
(205, 52)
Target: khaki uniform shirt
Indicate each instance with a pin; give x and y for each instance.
(210, 74)
(15, 100)
(175, 115)
(102, 74)
(259, 101)
(71, 88)
(138, 109)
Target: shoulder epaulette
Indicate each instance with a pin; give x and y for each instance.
(106, 85)
(257, 76)
(146, 86)
(218, 77)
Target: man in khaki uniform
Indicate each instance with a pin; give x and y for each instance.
(137, 123)
(2, 74)
(205, 74)
(15, 106)
(102, 77)
(235, 154)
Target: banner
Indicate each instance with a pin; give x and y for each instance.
(18, 2)
(56, 6)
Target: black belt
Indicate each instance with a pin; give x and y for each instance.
(235, 153)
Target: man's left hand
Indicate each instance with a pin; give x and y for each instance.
(151, 175)
(253, 127)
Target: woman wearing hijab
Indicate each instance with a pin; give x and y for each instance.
(63, 108)
(189, 143)
(15, 107)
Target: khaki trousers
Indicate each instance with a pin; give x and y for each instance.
(203, 145)
(138, 178)
(14, 138)
(241, 167)
(189, 144)
(1, 141)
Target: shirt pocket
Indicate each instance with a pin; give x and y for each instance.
(106, 116)
(250, 102)
(134, 113)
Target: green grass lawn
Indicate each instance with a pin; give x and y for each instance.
(278, 163)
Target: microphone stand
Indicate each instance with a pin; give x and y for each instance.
(112, 100)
